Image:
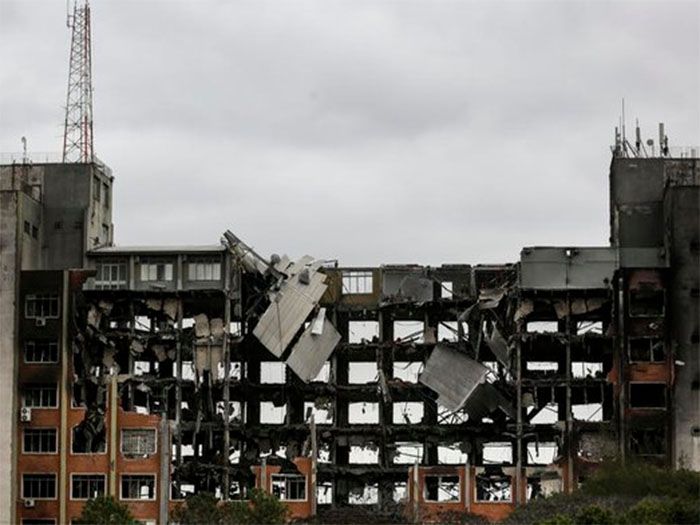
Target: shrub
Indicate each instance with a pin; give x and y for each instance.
(594, 515)
(557, 519)
(105, 510)
(198, 509)
(205, 509)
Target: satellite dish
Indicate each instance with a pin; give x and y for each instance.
(650, 142)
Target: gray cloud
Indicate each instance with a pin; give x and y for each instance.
(371, 132)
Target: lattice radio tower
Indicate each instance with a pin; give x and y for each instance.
(77, 137)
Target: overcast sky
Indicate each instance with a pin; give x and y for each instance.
(373, 132)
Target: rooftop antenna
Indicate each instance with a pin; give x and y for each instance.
(77, 135)
(624, 135)
(637, 138)
(25, 158)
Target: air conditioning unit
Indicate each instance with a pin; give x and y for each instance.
(25, 414)
(41, 321)
(29, 503)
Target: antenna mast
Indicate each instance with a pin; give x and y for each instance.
(77, 136)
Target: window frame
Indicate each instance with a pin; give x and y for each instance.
(136, 455)
(439, 477)
(109, 284)
(26, 387)
(356, 282)
(47, 296)
(195, 264)
(287, 478)
(150, 266)
(33, 342)
(651, 340)
(38, 498)
(141, 475)
(41, 453)
(87, 474)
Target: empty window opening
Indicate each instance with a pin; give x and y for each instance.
(648, 395)
(235, 370)
(138, 487)
(448, 417)
(646, 349)
(648, 441)
(40, 351)
(324, 493)
(497, 453)
(144, 368)
(451, 455)
(493, 488)
(548, 415)
(87, 439)
(357, 282)
(441, 488)
(40, 396)
(367, 495)
(203, 269)
(587, 412)
(589, 327)
(289, 487)
(138, 442)
(543, 327)
(323, 415)
(185, 490)
(234, 328)
(447, 331)
(409, 331)
(446, 289)
(543, 486)
(586, 369)
(400, 492)
(41, 306)
(363, 413)
(545, 367)
(324, 374)
(188, 372)
(142, 322)
(187, 322)
(236, 413)
(541, 453)
(408, 371)
(281, 452)
(324, 453)
(360, 372)
(408, 453)
(363, 454)
(360, 332)
(646, 302)
(87, 486)
(156, 271)
(408, 413)
(271, 414)
(38, 486)
(273, 372)
(39, 441)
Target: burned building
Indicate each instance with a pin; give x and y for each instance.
(152, 372)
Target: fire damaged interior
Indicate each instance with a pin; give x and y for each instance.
(405, 389)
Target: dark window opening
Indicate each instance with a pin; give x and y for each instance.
(493, 488)
(646, 349)
(40, 441)
(89, 438)
(39, 486)
(87, 486)
(646, 302)
(648, 441)
(27, 227)
(648, 395)
(35, 232)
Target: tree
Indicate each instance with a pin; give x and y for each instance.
(205, 508)
(106, 510)
(198, 509)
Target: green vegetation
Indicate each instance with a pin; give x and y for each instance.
(205, 508)
(621, 495)
(105, 510)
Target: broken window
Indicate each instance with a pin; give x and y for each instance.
(543, 327)
(235, 411)
(138, 487)
(542, 366)
(589, 327)
(271, 414)
(366, 495)
(322, 414)
(400, 492)
(449, 417)
(110, 276)
(41, 306)
(40, 351)
(446, 290)
(87, 486)
(587, 412)
(235, 370)
(441, 488)
(272, 372)
(363, 413)
(39, 441)
(412, 331)
(289, 487)
(586, 369)
(408, 371)
(408, 453)
(648, 395)
(362, 372)
(357, 282)
(543, 485)
(408, 412)
(646, 302)
(451, 455)
(38, 486)
(493, 487)
(541, 453)
(497, 453)
(156, 271)
(548, 415)
(646, 349)
(324, 493)
(203, 269)
(360, 332)
(648, 441)
(40, 396)
(144, 367)
(363, 454)
(448, 331)
(324, 375)
(86, 439)
(138, 442)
